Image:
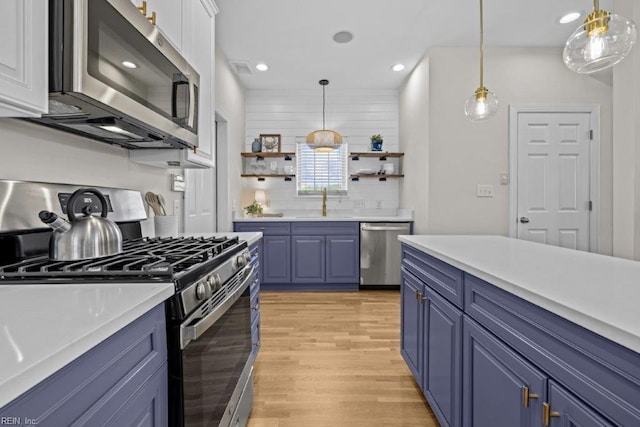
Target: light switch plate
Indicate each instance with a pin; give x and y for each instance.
(484, 190)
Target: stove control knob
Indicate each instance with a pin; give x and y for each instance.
(241, 261)
(247, 257)
(201, 291)
(217, 281)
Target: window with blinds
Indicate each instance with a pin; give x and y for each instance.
(316, 171)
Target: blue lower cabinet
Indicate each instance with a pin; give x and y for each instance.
(120, 382)
(431, 345)
(343, 259)
(566, 410)
(411, 330)
(308, 259)
(500, 387)
(276, 259)
(442, 360)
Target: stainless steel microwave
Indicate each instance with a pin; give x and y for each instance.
(115, 78)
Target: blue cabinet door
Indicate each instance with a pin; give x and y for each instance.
(276, 252)
(343, 259)
(411, 332)
(497, 382)
(566, 410)
(308, 260)
(442, 360)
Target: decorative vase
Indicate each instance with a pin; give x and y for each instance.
(256, 146)
(376, 145)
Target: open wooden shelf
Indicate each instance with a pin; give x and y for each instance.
(380, 177)
(382, 155)
(267, 154)
(268, 175)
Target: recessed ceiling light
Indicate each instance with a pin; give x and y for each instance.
(343, 37)
(262, 67)
(129, 64)
(398, 67)
(569, 17)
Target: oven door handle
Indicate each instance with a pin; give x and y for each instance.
(193, 332)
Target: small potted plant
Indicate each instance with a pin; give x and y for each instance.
(254, 209)
(376, 142)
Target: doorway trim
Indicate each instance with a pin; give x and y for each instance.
(223, 212)
(594, 172)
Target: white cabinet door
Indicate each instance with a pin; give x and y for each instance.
(23, 58)
(168, 18)
(199, 51)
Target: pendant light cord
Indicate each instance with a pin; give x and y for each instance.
(323, 128)
(482, 47)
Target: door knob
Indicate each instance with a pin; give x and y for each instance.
(524, 219)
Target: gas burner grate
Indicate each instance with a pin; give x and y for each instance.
(140, 258)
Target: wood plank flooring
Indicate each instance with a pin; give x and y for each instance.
(333, 359)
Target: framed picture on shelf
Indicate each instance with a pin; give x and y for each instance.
(270, 143)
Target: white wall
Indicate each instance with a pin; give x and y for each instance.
(414, 131)
(32, 152)
(626, 147)
(230, 102)
(463, 154)
(356, 114)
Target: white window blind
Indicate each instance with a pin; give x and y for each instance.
(316, 171)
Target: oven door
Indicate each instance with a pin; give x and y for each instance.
(217, 358)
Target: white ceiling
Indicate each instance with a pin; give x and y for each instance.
(295, 37)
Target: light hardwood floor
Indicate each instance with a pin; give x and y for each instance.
(333, 359)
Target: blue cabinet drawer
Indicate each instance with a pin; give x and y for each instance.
(267, 228)
(317, 228)
(440, 276)
(104, 378)
(602, 373)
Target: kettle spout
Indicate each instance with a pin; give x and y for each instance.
(58, 224)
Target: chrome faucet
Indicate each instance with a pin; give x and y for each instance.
(324, 201)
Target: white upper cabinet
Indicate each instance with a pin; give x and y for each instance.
(168, 17)
(196, 21)
(23, 58)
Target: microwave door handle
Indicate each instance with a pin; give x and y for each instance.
(193, 332)
(180, 80)
(192, 114)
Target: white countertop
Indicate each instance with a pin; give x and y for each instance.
(407, 218)
(600, 293)
(45, 327)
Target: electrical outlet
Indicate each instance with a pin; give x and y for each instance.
(484, 190)
(176, 207)
(358, 203)
(378, 204)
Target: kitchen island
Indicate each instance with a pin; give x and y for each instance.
(499, 331)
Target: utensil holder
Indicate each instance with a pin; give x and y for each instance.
(166, 226)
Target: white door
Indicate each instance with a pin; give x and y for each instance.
(553, 182)
(199, 199)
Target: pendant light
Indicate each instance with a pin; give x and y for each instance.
(483, 104)
(324, 140)
(601, 42)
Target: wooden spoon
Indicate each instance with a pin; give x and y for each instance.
(152, 200)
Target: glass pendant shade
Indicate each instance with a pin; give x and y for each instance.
(601, 42)
(325, 140)
(481, 106)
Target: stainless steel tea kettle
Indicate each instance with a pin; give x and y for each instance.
(83, 237)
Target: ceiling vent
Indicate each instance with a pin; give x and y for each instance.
(241, 67)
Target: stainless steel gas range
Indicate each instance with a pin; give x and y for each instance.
(208, 318)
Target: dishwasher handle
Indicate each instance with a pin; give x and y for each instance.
(367, 227)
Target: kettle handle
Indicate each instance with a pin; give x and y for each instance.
(72, 201)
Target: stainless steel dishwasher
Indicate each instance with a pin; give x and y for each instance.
(380, 253)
